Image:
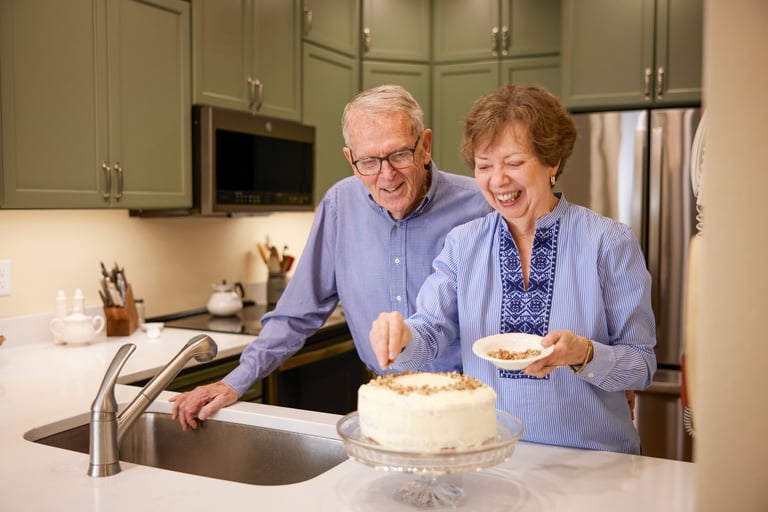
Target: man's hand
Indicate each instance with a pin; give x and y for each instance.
(201, 403)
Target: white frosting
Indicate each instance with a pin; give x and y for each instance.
(427, 412)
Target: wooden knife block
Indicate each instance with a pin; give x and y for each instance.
(125, 320)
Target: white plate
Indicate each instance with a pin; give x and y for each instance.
(513, 342)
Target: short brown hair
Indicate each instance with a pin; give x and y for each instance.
(549, 126)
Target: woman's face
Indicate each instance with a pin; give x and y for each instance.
(513, 179)
(397, 190)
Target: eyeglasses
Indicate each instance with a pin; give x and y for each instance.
(399, 159)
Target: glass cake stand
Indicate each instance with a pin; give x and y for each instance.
(428, 491)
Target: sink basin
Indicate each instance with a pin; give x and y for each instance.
(219, 449)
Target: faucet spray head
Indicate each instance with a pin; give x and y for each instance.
(206, 348)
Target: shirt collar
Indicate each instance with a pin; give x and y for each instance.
(421, 207)
(552, 217)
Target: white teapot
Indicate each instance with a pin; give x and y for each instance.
(77, 328)
(226, 300)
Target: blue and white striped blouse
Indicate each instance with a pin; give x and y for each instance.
(587, 275)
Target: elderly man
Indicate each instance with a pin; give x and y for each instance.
(371, 246)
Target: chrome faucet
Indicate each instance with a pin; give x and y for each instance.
(107, 427)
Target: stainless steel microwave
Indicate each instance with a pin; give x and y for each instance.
(247, 164)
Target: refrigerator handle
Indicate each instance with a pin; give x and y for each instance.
(636, 221)
(654, 212)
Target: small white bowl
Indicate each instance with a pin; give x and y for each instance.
(153, 329)
(513, 342)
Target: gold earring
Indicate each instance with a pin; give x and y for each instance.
(552, 180)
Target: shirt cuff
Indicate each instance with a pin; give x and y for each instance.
(603, 360)
(239, 379)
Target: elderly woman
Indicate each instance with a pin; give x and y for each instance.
(538, 265)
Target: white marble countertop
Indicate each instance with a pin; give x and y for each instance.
(42, 383)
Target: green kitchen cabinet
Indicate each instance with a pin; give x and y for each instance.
(466, 30)
(247, 55)
(330, 80)
(543, 71)
(396, 30)
(396, 39)
(630, 54)
(95, 101)
(479, 45)
(456, 86)
(413, 77)
(333, 24)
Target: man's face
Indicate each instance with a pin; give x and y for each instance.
(380, 135)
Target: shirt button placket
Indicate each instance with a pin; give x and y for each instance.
(397, 269)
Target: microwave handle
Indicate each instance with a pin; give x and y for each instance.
(257, 91)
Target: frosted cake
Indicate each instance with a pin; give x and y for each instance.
(427, 412)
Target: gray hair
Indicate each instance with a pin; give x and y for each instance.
(384, 98)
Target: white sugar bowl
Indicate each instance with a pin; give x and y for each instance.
(77, 328)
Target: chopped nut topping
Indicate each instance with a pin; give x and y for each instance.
(514, 355)
(459, 383)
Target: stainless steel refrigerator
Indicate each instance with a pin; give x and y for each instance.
(633, 166)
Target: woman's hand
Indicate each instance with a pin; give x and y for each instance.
(389, 335)
(570, 349)
(201, 403)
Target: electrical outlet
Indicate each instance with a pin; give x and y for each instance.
(5, 277)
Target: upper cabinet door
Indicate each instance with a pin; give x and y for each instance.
(149, 103)
(396, 30)
(679, 37)
(53, 103)
(465, 30)
(333, 24)
(530, 28)
(277, 58)
(247, 55)
(482, 29)
(454, 88)
(330, 81)
(631, 54)
(221, 50)
(78, 133)
(607, 48)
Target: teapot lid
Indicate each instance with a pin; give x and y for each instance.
(222, 287)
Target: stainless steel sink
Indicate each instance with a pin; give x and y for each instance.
(219, 449)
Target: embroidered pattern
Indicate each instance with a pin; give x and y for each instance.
(527, 310)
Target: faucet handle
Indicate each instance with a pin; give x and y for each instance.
(105, 398)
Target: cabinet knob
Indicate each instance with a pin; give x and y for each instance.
(307, 21)
(257, 94)
(107, 181)
(504, 41)
(119, 171)
(647, 83)
(367, 39)
(660, 82)
(495, 41)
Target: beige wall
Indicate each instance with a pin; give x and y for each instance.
(732, 380)
(170, 262)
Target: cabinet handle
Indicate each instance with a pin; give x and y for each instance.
(367, 39)
(119, 171)
(647, 83)
(257, 91)
(505, 41)
(107, 182)
(660, 82)
(495, 41)
(307, 21)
